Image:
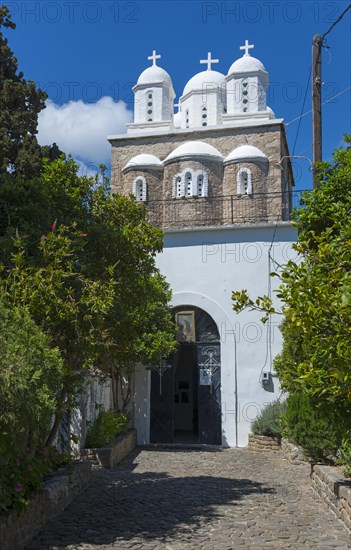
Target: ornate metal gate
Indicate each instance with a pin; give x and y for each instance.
(210, 418)
(208, 370)
(162, 403)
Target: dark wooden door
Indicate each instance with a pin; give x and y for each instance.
(209, 394)
(162, 406)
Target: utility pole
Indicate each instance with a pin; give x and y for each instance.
(316, 102)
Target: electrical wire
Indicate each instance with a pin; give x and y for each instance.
(336, 22)
(268, 357)
(324, 102)
(304, 150)
(302, 109)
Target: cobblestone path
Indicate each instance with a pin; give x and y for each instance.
(195, 499)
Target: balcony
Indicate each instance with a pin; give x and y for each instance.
(222, 210)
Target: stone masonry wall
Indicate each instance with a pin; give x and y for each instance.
(293, 453)
(335, 491)
(57, 493)
(214, 170)
(154, 180)
(260, 180)
(109, 457)
(263, 443)
(267, 138)
(228, 208)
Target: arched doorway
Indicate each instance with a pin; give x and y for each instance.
(186, 403)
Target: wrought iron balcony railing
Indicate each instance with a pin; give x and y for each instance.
(222, 210)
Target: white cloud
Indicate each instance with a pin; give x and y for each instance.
(81, 129)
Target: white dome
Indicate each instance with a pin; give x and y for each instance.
(206, 80)
(142, 161)
(246, 64)
(192, 149)
(245, 152)
(271, 112)
(153, 75)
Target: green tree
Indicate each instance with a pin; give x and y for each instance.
(316, 293)
(31, 374)
(84, 267)
(20, 103)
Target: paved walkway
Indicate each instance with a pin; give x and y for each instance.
(194, 499)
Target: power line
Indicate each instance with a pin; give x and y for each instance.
(302, 109)
(336, 22)
(324, 102)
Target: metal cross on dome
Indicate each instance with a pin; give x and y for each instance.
(154, 57)
(209, 61)
(247, 47)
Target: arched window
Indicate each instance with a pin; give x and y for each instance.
(188, 180)
(178, 187)
(140, 189)
(190, 183)
(149, 106)
(201, 188)
(244, 182)
(187, 118)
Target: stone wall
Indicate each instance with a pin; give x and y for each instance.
(267, 138)
(109, 457)
(267, 178)
(213, 168)
(335, 491)
(57, 493)
(261, 183)
(263, 443)
(293, 453)
(154, 180)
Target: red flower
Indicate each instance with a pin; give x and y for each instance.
(18, 487)
(30, 468)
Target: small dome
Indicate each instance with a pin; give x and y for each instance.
(245, 153)
(193, 149)
(246, 64)
(271, 112)
(142, 161)
(206, 80)
(153, 75)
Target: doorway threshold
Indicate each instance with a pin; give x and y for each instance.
(184, 446)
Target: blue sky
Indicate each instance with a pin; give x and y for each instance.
(83, 51)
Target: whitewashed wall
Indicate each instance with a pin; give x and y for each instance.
(94, 395)
(203, 267)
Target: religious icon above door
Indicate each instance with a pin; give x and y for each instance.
(186, 326)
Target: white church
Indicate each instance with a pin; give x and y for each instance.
(216, 176)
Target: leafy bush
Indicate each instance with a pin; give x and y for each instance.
(268, 422)
(23, 475)
(317, 430)
(105, 428)
(345, 455)
(31, 373)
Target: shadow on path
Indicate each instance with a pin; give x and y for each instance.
(123, 504)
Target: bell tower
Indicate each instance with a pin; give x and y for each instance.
(247, 83)
(153, 99)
